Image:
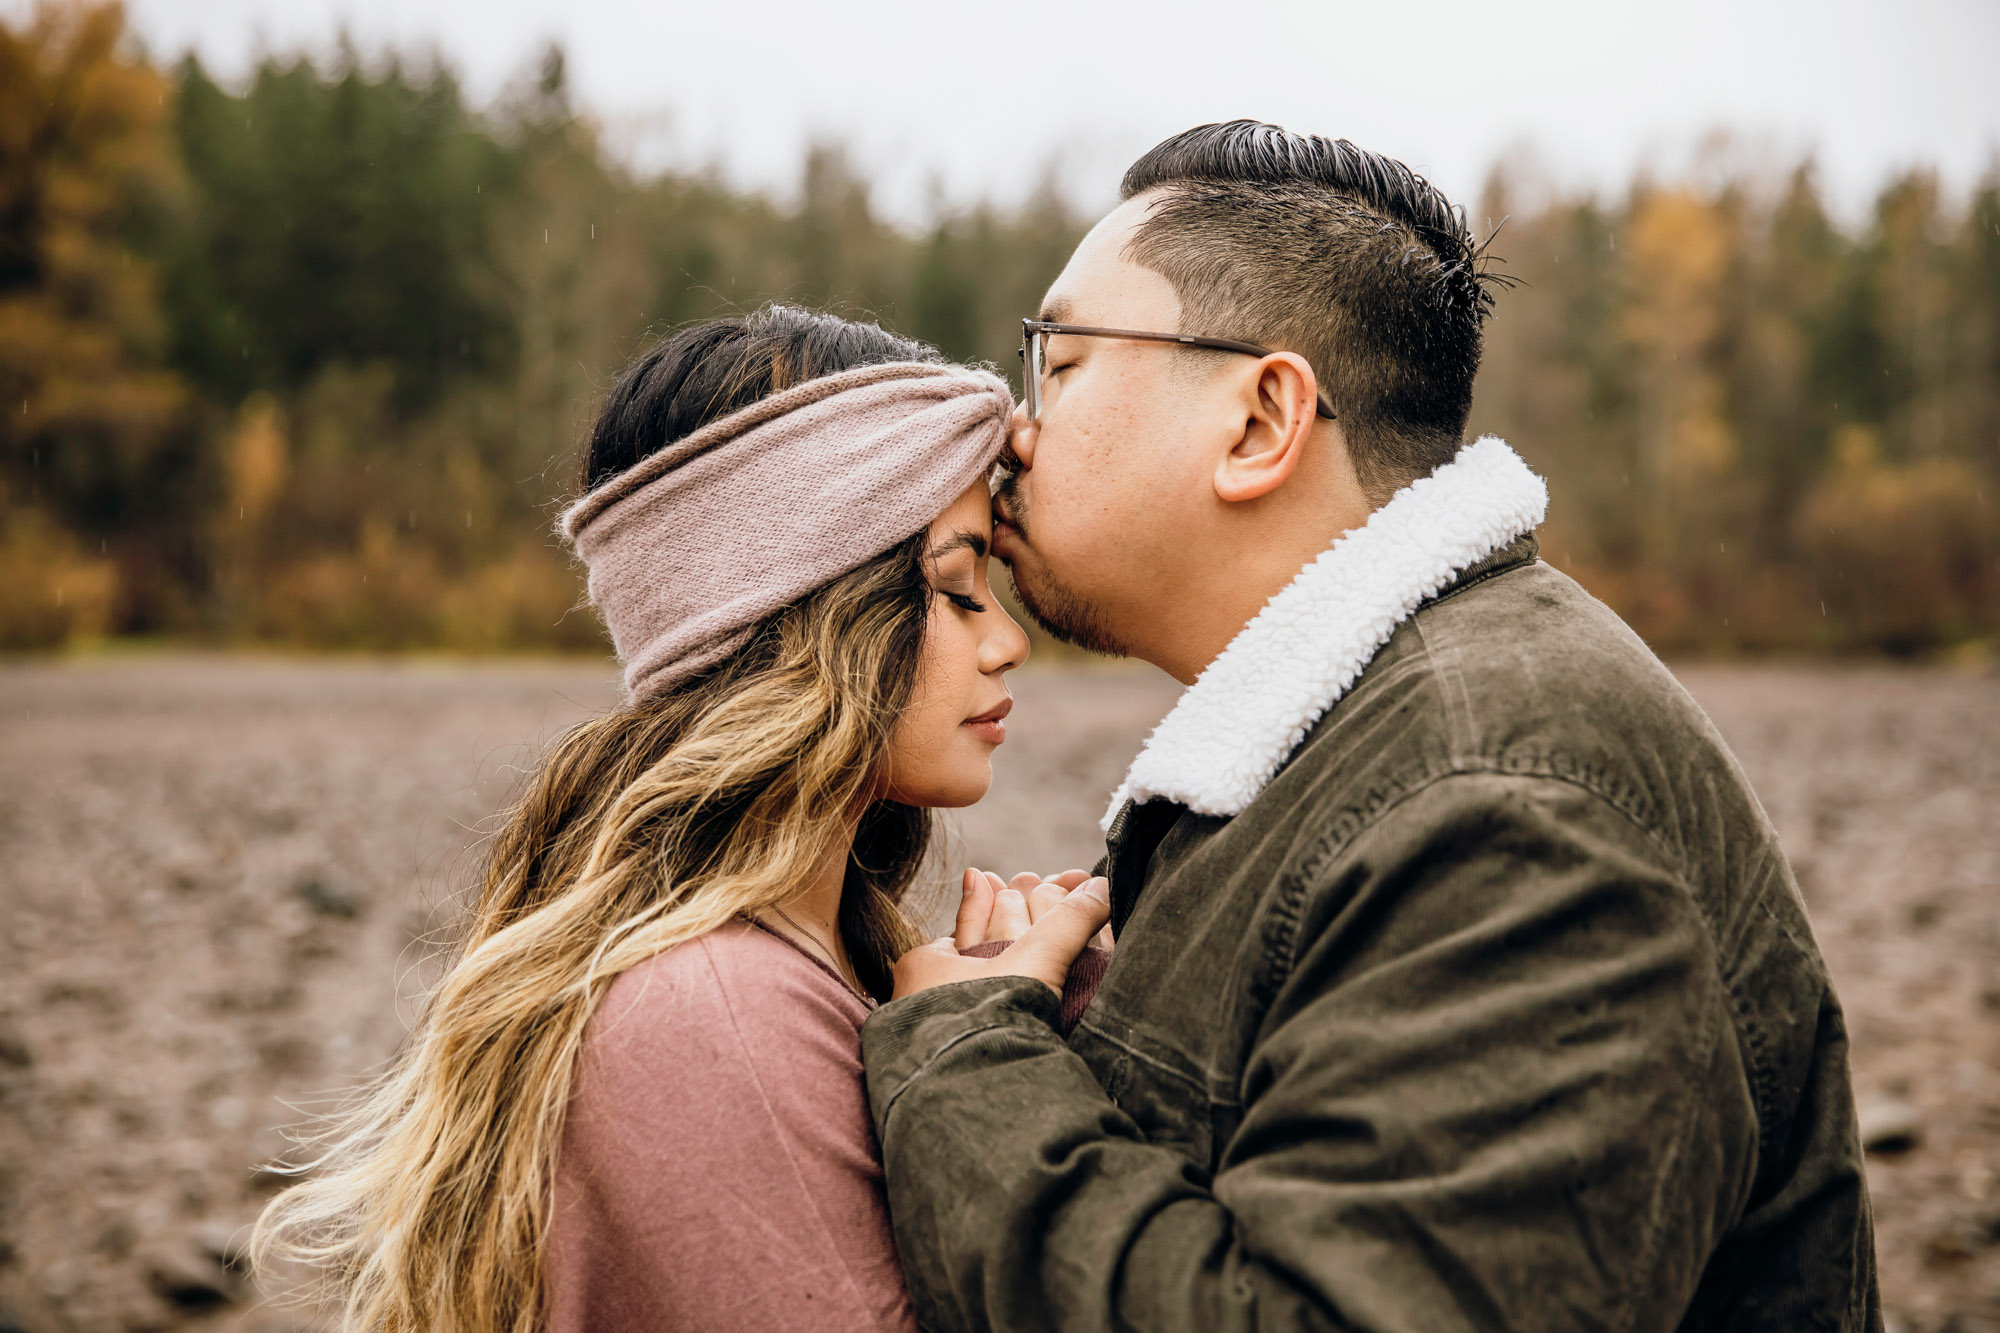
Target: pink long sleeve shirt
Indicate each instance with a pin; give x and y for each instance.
(718, 1172)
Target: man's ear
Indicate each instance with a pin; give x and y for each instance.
(1279, 404)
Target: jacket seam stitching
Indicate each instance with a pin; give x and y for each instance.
(1446, 594)
(1198, 1084)
(1381, 803)
(1450, 683)
(1762, 1070)
(889, 1107)
(1683, 1111)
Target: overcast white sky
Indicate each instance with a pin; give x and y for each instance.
(981, 98)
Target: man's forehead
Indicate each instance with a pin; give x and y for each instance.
(1100, 285)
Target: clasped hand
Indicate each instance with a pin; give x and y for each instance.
(1049, 920)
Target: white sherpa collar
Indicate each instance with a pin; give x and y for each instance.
(1250, 708)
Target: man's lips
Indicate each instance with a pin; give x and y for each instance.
(991, 725)
(1005, 530)
(1005, 534)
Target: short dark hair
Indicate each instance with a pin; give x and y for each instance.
(1344, 256)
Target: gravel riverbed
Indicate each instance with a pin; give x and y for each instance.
(223, 878)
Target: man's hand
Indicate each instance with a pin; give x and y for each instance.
(1046, 943)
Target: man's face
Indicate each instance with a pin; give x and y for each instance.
(1086, 521)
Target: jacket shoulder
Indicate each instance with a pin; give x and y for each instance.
(1525, 672)
(1520, 671)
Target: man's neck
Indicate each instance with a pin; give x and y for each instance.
(1215, 604)
(1268, 541)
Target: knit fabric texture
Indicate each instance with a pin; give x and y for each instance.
(696, 544)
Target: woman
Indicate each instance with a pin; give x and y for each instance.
(636, 1098)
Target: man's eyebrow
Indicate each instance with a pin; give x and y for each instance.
(971, 541)
(1055, 310)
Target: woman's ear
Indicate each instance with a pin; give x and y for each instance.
(1280, 409)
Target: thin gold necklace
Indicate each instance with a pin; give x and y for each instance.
(852, 982)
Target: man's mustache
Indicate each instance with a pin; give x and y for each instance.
(1006, 495)
(1008, 465)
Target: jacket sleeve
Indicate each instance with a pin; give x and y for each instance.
(1496, 1087)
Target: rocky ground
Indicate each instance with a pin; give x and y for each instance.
(220, 880)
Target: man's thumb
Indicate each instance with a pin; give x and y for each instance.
(1047, 948)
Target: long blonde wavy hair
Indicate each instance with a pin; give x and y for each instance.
(425, 1206)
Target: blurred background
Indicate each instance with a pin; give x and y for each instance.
(305, 305)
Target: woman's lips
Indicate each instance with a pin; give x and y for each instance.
(991, 725)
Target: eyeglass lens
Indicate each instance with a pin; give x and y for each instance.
(1037, 367)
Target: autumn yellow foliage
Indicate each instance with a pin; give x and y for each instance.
(305, 359)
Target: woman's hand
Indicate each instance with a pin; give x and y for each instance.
(990, 908)
(1056, 924)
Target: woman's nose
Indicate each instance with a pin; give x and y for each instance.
(1006, 645)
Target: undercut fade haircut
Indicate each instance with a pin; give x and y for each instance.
(1348, 258)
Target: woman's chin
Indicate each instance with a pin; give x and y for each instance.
(963, 784)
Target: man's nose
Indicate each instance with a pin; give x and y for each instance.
(1022, 435)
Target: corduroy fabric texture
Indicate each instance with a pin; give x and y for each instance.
(1085, 974)
(692, 547)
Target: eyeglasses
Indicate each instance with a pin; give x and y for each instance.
(1035, 355)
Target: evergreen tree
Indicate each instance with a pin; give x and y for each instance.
(306, 358)
(338, 218)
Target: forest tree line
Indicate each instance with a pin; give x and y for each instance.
(305, 360)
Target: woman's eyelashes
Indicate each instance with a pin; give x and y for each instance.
(969, 574)
(963, 601)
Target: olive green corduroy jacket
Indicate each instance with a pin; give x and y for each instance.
(1495, 1007)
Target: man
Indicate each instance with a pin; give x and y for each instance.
(1459, 982)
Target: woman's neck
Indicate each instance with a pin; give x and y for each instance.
(814, 912)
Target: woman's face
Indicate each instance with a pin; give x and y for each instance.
(941, 753)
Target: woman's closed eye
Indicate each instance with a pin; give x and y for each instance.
(963, 601)
(959, 562)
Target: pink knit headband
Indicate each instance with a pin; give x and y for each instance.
(692, 547)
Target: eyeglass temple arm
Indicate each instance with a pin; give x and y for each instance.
(1030, 328)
